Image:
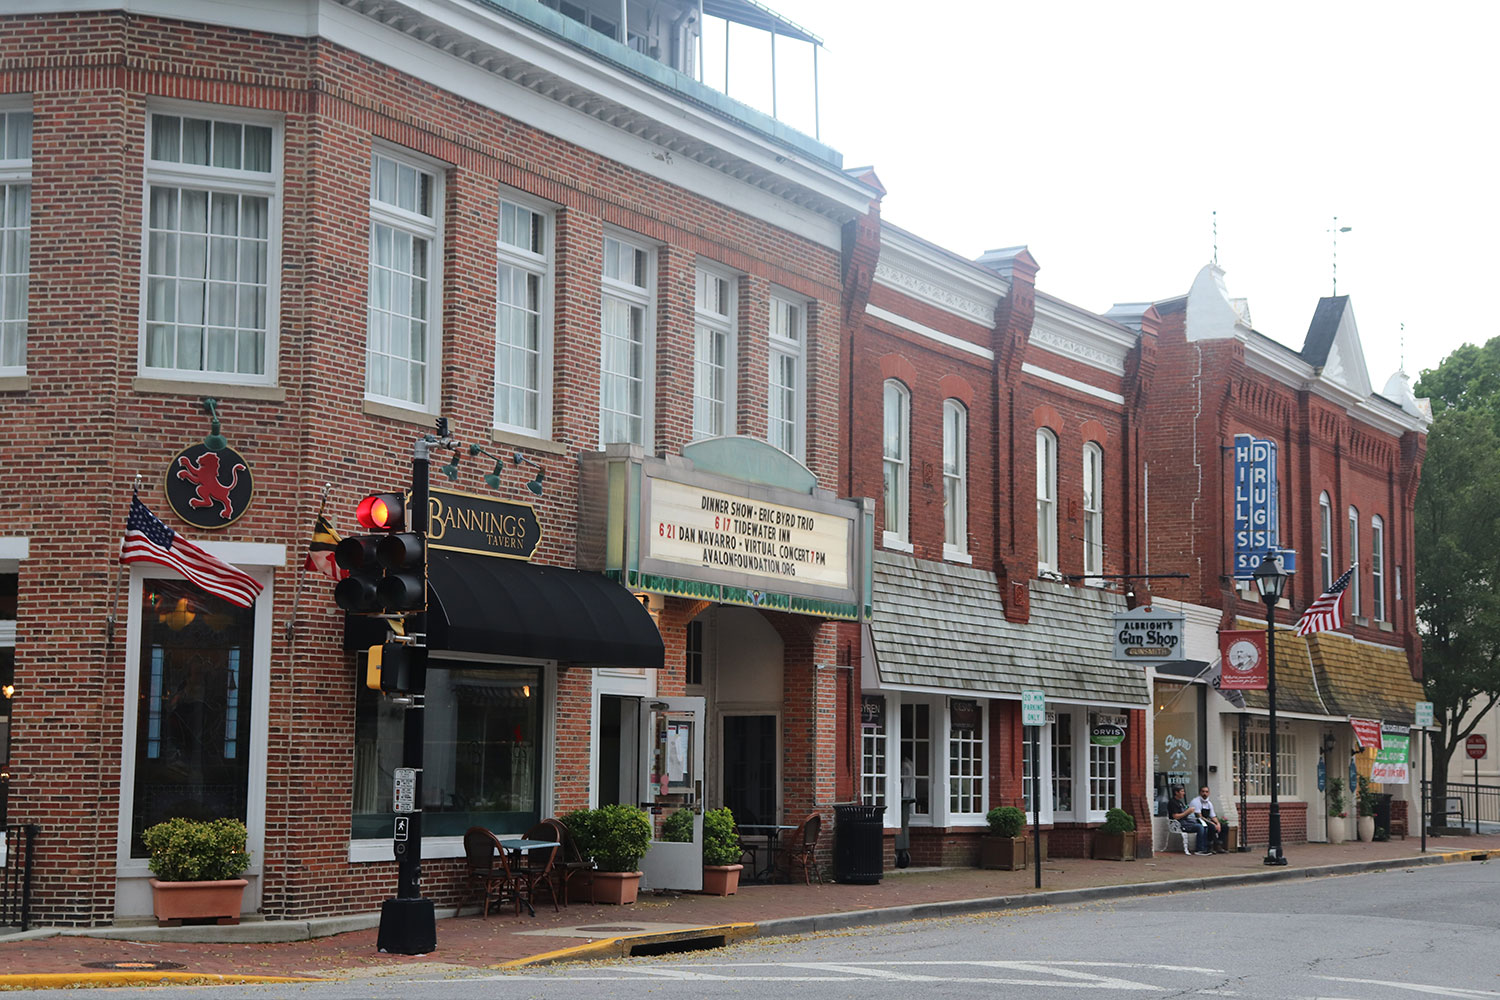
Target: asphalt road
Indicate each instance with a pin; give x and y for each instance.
(1431, 932)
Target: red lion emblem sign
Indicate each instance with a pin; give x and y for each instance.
(197, 491)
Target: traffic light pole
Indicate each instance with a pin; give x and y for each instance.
(408, 923)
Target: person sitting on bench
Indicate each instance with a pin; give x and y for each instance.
(1187, 817)
(1207, 815)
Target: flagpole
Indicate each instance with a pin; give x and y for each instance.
(291, 625)
(110, 619)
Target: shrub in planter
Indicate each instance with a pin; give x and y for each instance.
(721, 853)
(1118, 821)
(616, 837)
(1115, 840)
(1003, 847)
(678, 828)
(197, 864)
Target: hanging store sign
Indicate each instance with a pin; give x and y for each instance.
(872, 712)
(1106, 735)
(1367, 732)
(1243, 658)
(1148, 634)
(1394, 755)
(196, 490)
(964, 713)
(467, 522)
(1257, 518)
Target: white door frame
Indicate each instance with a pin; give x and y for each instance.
(675, 865)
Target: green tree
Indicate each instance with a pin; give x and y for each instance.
(1458, 550)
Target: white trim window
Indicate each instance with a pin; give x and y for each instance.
(1356, 606)
(523, 335)
(713, 354)
(916, 757)
(1062, 764)
(1104, 779)
(1044, 750)
(212, 246)
(15, 237)
(788, 344)
(1093, 512)
(955, 479)
(1046, 501)
(625, 344)
(1258, 762)
(1377, 568)
(1325, 540)
(874, 740)
(965, 757)
(401, 361)
(896, 455)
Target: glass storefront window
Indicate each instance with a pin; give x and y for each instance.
(197, 669)
(481, 758)
(1177, 754)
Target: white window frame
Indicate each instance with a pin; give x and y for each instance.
(1108, 784)
(1044, 756)
(875, 742)
(1377, 568)
(975, 750)
(708, 324)
(1046, 500)
(787, 314)
(15, 266)
(936, 718)
(537, 265)
(1258, 756)
(955, 481)
(216, 180)
(1325, 549)
(418, 227)
(1356, 606)
(896, 466)
(632, 296)
(1093, 513)
(1054, 732)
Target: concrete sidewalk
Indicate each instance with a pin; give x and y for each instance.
(344, 947)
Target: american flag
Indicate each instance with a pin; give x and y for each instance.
(1327, 612)
(148, 540)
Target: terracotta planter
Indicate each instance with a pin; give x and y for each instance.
(1005, 854)
(1114, 846)
(220, 901)
(721, 880)
(618, 888)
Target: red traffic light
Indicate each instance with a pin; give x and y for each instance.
(382, 512)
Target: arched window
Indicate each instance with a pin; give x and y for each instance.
(897, 449)
(1325, 540)
(1046, 501)
(1355, 607)
(1093, 510)
(1377, 567)
(955, 478)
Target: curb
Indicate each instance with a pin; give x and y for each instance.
(721, 934)
(68, 980)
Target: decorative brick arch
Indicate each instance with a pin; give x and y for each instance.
(1093, 430)
(955, 387)
(1046, 416)
(896, 366)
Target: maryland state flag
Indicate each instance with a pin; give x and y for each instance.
(320, 551)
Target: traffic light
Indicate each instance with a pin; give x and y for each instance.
(396, 668)
(387, 572)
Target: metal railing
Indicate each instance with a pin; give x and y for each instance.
(17, 844)
(1466, 805)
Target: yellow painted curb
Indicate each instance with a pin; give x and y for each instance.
(619, 947)
(62, 980)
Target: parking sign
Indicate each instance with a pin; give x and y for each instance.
(1033, 708)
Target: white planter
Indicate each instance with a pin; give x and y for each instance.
(1338, 829)
(1367, 828)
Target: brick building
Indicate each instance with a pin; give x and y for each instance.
(1347, 460)
(341, 222)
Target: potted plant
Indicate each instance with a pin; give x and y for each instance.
(197, 864)
(616, 837)
(721, 853)
(1338, 830)
(1366, 800)
(1004, 847)
(1115, 840)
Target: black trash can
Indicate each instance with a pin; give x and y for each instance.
(1383, 816)
(858, 844)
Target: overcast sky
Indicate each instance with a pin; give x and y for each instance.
(1105, 135)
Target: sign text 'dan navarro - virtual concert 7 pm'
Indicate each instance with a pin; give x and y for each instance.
(778, 544)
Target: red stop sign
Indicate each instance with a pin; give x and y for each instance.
(1477, 746)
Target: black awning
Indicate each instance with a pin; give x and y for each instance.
(481, 604)
(1188, 669)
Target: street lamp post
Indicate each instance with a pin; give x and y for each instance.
(1270, 580)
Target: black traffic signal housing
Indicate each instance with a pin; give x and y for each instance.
(396, 668)
(387, 572)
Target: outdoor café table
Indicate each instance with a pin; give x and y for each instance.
(772, 833)
(517, 846)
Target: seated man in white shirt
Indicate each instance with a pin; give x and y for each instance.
(1203, 808)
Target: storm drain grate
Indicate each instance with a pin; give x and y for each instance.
(674, 947)
(133, 966)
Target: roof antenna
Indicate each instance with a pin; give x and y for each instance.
(1216, 237)
(1335, 231)
(1403, 347)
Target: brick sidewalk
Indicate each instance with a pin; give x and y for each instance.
(470, 941)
